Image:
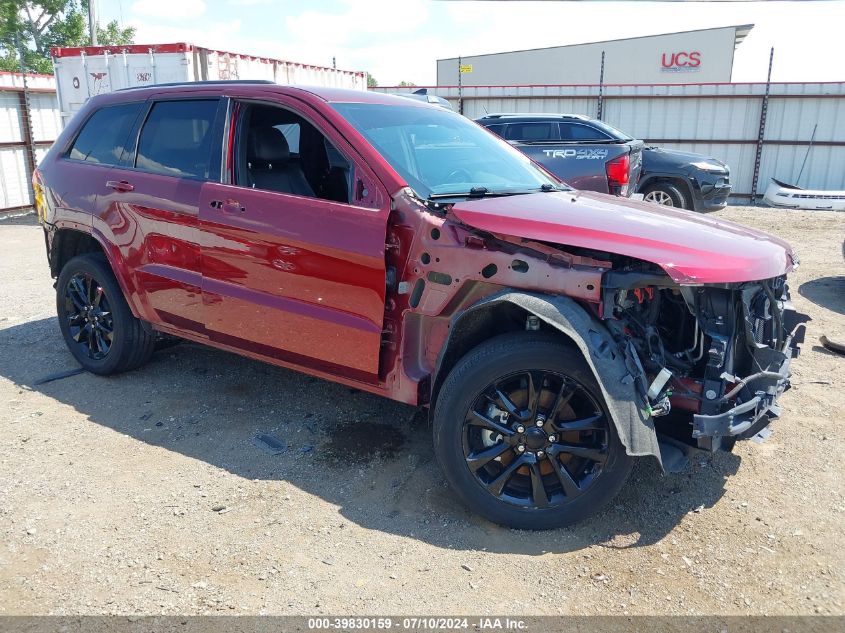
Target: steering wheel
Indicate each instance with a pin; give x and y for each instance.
(459, 175)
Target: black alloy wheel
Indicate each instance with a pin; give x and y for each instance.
(523, 435)
(535, 439)
(97, 324)
(89, 316)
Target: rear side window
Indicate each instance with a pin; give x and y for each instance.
(579, 132)
(531, 131)
(176, 139)
(103, 136)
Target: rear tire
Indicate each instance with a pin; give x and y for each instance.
(565, 464)
(96, 322)
(667, 194)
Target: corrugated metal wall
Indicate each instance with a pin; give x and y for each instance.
(17, 153)
(720, 120)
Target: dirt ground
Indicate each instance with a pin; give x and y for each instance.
(143, 493)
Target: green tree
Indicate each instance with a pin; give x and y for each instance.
(372, 82)
(407, 83)
(38, 26)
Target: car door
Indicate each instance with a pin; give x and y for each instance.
(154, 200)
(293, 276)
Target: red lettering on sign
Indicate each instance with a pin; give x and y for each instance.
(680, 60)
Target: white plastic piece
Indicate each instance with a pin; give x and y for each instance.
(781, 194)
(658, 383)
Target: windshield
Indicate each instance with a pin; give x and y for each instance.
(440, 152)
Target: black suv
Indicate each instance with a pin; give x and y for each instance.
(681, 179)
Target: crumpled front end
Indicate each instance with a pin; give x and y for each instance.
(710, 360)
(748, 361)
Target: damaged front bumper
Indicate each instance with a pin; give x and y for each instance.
(754, 398)
(748, 418)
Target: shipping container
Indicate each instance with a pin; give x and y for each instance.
(87, 71)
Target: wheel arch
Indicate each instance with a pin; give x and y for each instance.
(573, 324)
(68, 243)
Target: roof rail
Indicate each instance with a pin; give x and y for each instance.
(211, 82)
(534, 115)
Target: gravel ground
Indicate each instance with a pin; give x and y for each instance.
(143, 493)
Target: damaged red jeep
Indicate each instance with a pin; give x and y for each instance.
(402, 249)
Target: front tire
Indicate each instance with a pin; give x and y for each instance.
(96, 322)
(523, 435)
(667, 194)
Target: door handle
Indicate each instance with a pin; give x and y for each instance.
(120, 185)
(227, 206)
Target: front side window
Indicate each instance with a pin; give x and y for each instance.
(103, 136)
(177, 137)
(439, 152)
(280, 151)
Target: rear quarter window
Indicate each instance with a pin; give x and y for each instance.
(581, 132)
(103, 136)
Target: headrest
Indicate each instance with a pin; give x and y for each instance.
(268, 144)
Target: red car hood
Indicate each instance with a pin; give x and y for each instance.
(690, 247)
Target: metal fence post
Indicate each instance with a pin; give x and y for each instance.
(460, 92)
(26, 122)
(601, 85)
(763, 109)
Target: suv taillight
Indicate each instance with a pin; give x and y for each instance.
(618, 175)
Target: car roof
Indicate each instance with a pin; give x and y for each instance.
(258, 87)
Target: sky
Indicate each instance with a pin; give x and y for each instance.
(400, 40)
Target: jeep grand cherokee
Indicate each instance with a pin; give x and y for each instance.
(399, 248)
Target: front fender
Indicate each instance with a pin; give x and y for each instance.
(634, 425)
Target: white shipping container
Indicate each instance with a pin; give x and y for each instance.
(92, 70)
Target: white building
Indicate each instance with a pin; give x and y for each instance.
(702, 56)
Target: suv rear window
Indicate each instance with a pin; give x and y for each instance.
(103, 136)
(176, 138)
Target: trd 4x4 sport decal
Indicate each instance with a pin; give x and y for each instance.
(588, 153)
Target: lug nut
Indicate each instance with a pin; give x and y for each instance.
(540, 422)
(552, 438)
(520, 449)
(540, 453)
(520, 429)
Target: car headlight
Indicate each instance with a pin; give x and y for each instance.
(706, 165)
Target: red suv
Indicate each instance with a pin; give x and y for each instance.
(400, 248)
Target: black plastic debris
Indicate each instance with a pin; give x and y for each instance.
(59, 375)
(269, 444)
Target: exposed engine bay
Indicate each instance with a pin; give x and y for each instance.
(715, 357)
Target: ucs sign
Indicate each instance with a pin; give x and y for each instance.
(680, 62)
